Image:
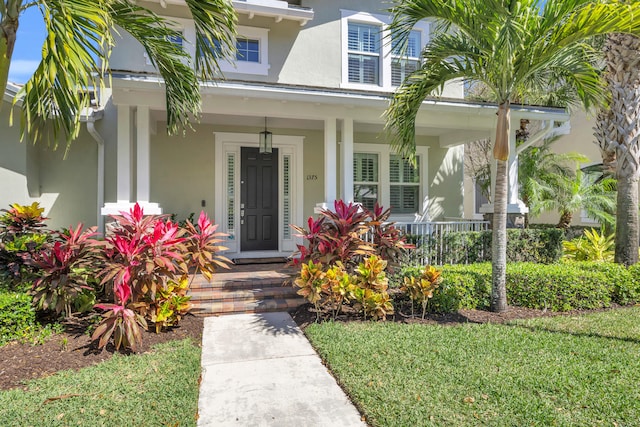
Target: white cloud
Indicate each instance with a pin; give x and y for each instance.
(22, 69)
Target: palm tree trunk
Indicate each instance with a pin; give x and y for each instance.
(8, 30)
(499, 240)
(565, 220)
(627, 233)
(618, 133)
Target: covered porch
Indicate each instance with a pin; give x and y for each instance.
(328, 145)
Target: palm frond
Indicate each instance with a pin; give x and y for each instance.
(215, 22)
(77, 36)
(172, 62)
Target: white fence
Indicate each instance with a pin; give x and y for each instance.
(431, 243)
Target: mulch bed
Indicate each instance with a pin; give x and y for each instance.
(73, 349)
(306, 315)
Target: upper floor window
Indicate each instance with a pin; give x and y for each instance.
(364, 53)
(403, 66)
(252, 52)
(368, 60)
(248, 50)
(177, 40)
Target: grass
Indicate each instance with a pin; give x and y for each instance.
(154, 389)
(564, 371)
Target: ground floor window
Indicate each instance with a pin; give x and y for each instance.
(379, 176)
(365, 179)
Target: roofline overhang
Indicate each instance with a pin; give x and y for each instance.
(277, 9)
(310, 94)
(10, 93)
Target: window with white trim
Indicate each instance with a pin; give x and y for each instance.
(380, 175)
(403, 66)
(365, 179)
(368, 61)
(364, 53)
(405, 184)
(252, 52)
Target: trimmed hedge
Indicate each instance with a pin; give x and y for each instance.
(557, 287)
(523, 245)
(17, 316)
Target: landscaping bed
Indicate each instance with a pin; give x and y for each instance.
(305, 315)
(73, 349)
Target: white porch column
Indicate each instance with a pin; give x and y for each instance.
(143, 170)
(124, 155)
(123, 165)
(514, 204)
(346, 160)
(330, 163)
(124, 182)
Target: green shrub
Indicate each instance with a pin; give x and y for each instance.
(523, 245)
(463, 286)
(557, 287)
(17, 316)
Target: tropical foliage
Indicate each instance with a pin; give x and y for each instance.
(331, 288)
(593, 246)
(349, 233)
(140, 273)
(148, 260)
(583, 191)
(522, 51)
(75, 57)
(21, 235)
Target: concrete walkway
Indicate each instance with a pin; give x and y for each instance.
(260, 370)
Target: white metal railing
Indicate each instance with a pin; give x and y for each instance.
(431, 243)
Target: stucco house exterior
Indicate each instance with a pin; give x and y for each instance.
(317, 74)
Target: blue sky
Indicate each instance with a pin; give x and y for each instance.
(28, 50)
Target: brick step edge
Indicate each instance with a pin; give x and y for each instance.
(240, 294)
(259, 306)
(243, 284)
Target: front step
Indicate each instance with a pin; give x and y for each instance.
(248, 291)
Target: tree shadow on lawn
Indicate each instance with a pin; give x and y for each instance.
(538, 328)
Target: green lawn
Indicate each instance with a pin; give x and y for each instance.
(155, 389)
(564, 371)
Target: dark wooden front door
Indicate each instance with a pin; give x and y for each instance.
(259, 200)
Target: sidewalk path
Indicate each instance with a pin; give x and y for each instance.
(260, 370)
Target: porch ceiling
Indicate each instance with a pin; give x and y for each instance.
(291, 123)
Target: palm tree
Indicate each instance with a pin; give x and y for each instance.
(618, 135)
(519, 49)
(75, 57)
(541, 172)
(571, 193)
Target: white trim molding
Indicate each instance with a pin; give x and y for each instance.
(260, 68)
(383, 22)
(384, 153)
(229, 144)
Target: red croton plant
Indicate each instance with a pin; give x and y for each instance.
(348, 234)
(149, 261)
